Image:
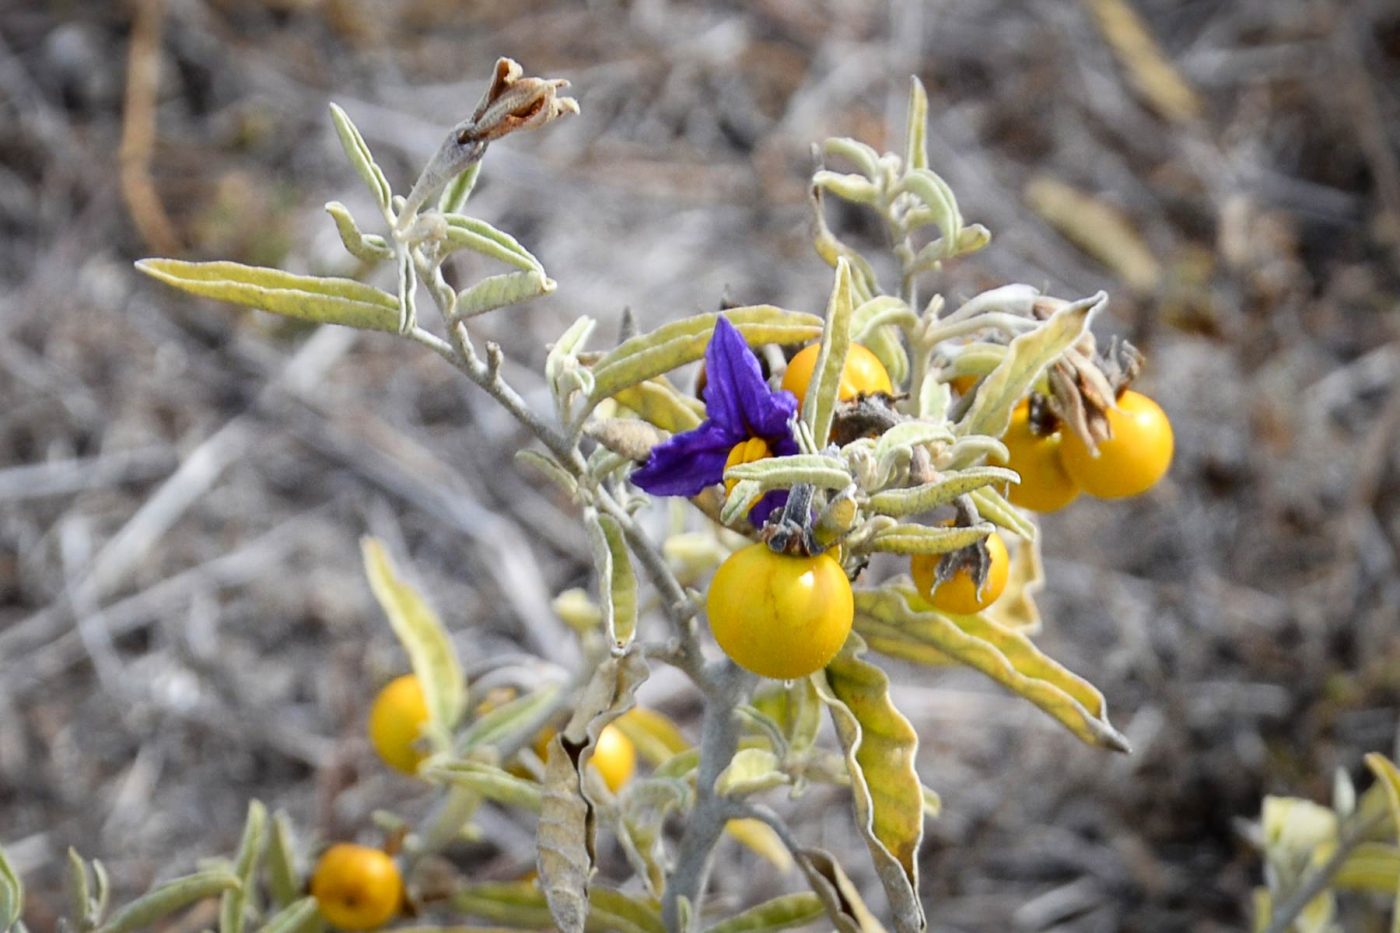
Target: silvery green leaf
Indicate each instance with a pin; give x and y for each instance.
(751, 770)
(1008, 299)
(925, 539)
(455, 193)
(282, 878)
(934, 397)
(780, 913)
(170, 897)
(819, 403)
(367, 247)
(498, 291)
(917, 499)
(839, 896)
(357, 151)
(465, 232)
(785, 472)
(1343, 794)
(658, 402)
(855, 152)
(679, 765)
(511, 720)
(233, 904)
(79, 898)
(522, 905)
(878, 312)
(11, 893)
(294, 917)
(940, 206)
(969, 240)
(547, 466)
(652, 354)
(1027, 357)
(322, 300)
(974, 448)
(832, 250)
(916, 126)
(739, 501)
(992, 506)
(423, 636)
(911, 434)
(408, 292)
(567, 347)
(617, 582)
(880, 745)
(854, 188)
(490, 783)
(897, 615)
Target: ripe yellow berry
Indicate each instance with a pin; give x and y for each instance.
(396, 721)
(1044, 486)
(780, 616)
(1132, 460)
(958, 594)
(356, 887)
(863, 373)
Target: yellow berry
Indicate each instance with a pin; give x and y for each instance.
(958, 594)
(396, 721)
(777, 615)
(356, 887)
(863, 373)
(1132, 460)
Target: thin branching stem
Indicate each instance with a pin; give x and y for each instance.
(1320, 879)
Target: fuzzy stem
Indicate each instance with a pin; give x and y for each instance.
(719, 739)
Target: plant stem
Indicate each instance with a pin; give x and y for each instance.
(1319, 880)
(719, 739)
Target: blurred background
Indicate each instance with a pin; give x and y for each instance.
(183, 620)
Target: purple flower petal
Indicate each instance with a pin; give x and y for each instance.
(735, 389)
(687, 463)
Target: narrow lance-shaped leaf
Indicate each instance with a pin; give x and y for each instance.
(510, 721)
(819, 404)
(368, 247)
(646, 356)
(926, 539)
(522, 905)
(79, 899)
(752, 770)
(234, 902)
(456, 192)
(490, 783)
(1009, 658)
(916, 126)
(916, 499)
(294, 918)
(408, 292)
(992, 506)
(658, 402)
(760, 838)
(11, 893)
(500, 291)
(282, 878)
(619, 588)
(784, 472)
(423, 636)
(1389, 777)
(563, 356)
(470, 233)
(889, 800)
(168, 898)
(309, 298)
(357, 151)
(780, 913)
(1027, 357)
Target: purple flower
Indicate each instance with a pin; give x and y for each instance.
(740, 406)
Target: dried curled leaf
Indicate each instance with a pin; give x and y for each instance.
(839, 896)
(894, 615)
(880, 745)
(322, 300)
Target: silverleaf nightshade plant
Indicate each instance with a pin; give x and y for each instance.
(864, 477)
